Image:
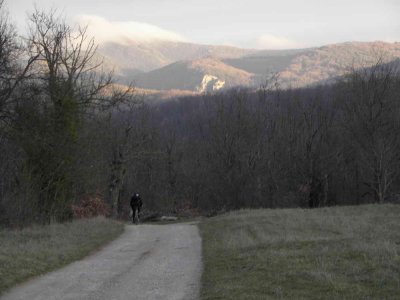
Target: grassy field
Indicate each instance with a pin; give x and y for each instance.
(327, 253)
(39, 249)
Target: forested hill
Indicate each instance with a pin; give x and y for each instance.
(182, 66)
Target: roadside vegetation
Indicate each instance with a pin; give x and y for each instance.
(329, 253)
(36, 250)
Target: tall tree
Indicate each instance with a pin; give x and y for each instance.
(64, 87)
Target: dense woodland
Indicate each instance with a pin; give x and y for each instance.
(67, 132)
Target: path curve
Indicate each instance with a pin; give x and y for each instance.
(145, 262)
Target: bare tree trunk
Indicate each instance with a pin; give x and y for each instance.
(358, 201)
(116, 182)
(326, 190)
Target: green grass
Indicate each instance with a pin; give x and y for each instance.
(328, 253)
(36, 250)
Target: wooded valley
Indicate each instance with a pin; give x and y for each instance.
(70, 134)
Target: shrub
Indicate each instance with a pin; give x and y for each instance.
(186, 209)
(91, 205)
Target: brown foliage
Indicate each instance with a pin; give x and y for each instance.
(91, 205)
(186, 209)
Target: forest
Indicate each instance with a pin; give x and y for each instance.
(69, 135)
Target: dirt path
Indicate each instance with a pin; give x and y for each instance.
(146, 262)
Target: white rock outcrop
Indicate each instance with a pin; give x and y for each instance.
(210, 83)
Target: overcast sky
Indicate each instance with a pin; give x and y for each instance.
(245, 23)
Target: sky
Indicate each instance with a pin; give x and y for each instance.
(262, 24)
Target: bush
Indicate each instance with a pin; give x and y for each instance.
(186, 209)
(91, 205)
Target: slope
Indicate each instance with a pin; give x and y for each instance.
(197, 75)
(151, 55)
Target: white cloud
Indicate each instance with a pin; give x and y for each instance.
(270, 41)
(123, 32)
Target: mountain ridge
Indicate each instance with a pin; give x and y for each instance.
(164, 65)
(189, 74)
(148, 56)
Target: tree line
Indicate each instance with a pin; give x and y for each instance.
(317, 146)
(67, 131)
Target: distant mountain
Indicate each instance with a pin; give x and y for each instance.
(298, 68)
(184, 66)
(148, 56)
(328, 62)
(265, 62)
(205, 74)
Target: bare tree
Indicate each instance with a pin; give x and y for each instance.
(371, 110)
(66, 61)
(12, 69)
(129, 131)
(65, 84)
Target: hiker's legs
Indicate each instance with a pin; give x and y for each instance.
(133, 214)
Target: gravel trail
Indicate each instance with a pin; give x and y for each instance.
(146, 262)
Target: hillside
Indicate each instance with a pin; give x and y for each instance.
(266, 61)
(148, 56)
(166, 65)
(206, 74)
(328, 62)
(299, 68)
